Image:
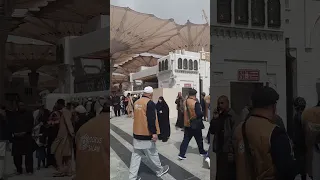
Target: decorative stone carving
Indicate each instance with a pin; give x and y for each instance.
(251, 33)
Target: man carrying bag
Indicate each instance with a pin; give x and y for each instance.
(193, 125)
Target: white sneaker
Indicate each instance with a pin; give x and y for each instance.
(164, 171)
(208, 161)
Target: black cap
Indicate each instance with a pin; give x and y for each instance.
(264, 97)
(192, 92)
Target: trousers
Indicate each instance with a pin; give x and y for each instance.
(188, 135)
(3, 149)
(152, 156)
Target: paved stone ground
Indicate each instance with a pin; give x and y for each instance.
(193, 168)
(42, 174)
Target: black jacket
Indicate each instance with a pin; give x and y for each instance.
(4, 129)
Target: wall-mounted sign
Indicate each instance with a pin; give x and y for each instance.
(187, 85)
(248, 75)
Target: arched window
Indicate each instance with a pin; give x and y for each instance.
(166, 65)
(163, 66)
(179, 63)
(160, 67)
(224, 11)
(274, 13)
(241, 12)
(195, 65)
(190, 64)
(258, 13)
(185, 64)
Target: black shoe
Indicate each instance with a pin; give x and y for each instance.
(138, 178)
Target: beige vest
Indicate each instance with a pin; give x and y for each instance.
(93, 149)
(191, 106)
(311, 124)
(140, 122)
(259, 132)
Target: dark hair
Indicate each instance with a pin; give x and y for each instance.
(61, 102)
(264, 97)
(106, 107)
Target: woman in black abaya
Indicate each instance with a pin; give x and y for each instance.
(163, 118)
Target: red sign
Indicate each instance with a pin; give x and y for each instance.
(187, 85)
(248, 75)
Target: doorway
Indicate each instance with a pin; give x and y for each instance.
(240, 94)
(185, 91)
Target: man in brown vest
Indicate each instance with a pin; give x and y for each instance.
(311, 128)
(93, 147)
(192, 111)
(262, 148)
(145, 135)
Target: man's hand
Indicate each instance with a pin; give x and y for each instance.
(154, 137)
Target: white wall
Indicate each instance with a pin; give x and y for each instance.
(302, 28)
(169, 95)
(244, 47)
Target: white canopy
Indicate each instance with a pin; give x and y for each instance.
(134, 65)
(133, 32)
(192, 37)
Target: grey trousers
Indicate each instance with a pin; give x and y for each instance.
(151, 155)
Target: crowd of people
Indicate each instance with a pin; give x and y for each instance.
(69, 130)
(123, 105)
(254, 144)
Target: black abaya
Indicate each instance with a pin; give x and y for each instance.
(164, 120)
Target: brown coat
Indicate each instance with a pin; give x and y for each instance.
(93, 149)
(311, 124)
(140, 122)
(259, 132)
(191, 103)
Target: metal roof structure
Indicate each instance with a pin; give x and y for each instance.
(45, 80)
(133, 32)
(29, 55)
(60, 18)
(192, 37)
(47, 30)
(119, 78)
(134, 64)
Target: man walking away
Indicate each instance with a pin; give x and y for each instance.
(145, 135)
(94, 134)
(263, 149)
(192, 112)
(116, 104)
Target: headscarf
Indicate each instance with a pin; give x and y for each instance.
(161, 104)
(80, 109)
